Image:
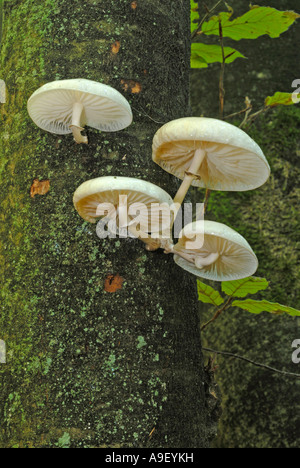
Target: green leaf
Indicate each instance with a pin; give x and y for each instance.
(257, 22)
(243, 287)
(257, 307)
(281, 99)
(195, 18)
(202, 54)
(209, 295)
(198, 62)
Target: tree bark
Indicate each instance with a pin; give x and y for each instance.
(87, 367)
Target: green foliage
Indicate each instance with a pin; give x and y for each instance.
(242, 288)
(203, 54)
(275, 205)
(257, 307)
(194, 15)
(256, 22)
(280, 99)
(209, 295)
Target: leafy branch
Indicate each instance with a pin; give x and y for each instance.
(196, 22)
(241, 289)
(256, 22)
(218, 313)
(279, 99)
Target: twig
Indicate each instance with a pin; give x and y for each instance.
(222, 75)
(249, 119)
(206, 200)
(217, 314)
(236, 114)
(208, 13)
(257, 364)
(147, 115)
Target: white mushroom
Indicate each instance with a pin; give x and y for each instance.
(214, 251)
(121, 198)
(66, 106)
(209, 153)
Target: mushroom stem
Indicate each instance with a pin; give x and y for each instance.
(170, 250)
(201, 262)
(191, 175)
(76, 123)
(152, 244)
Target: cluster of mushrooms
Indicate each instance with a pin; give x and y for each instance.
(202, 152)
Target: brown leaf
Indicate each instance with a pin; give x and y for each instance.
(113, 283)
(115, 48)
(39, 187)
(131, 86)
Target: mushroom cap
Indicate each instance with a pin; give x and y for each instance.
(236, 258)
(107, 190)
(51, 106)
(234, 162)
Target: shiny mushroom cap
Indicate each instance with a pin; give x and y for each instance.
(107, 195)
(233, 161)
(214, 251)
(104, 108)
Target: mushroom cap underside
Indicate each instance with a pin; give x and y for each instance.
(51, 106)
(236, 258)
(101, 197)
(233, 161)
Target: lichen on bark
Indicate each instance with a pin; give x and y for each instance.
(88, 367)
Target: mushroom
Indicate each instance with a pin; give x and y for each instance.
(214, 251)
(123, 198)
(66, 106)
(209, 153)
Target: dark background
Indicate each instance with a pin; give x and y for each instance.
(272, 65)
(260, 408)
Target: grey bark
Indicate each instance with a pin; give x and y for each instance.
(88, 368)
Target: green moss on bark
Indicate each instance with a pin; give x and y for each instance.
(87, 368)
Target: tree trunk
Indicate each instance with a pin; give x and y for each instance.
(87, 367)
